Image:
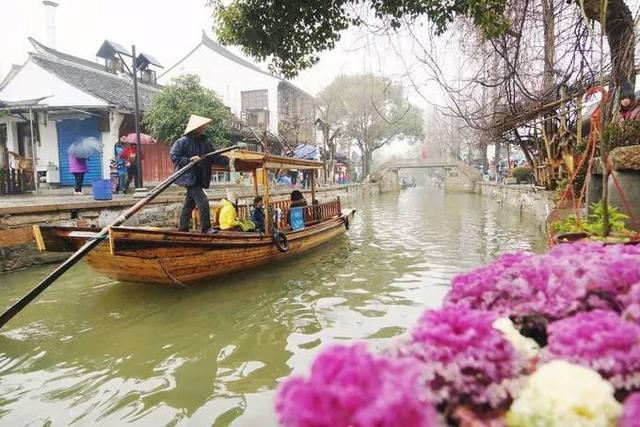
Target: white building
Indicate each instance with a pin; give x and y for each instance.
(78, 99)
(257, 97)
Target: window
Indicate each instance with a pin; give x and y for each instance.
(254, 100)
(256, 118)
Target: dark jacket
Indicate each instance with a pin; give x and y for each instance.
(185, 148)
(257, 216)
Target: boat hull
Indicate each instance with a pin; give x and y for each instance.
(185, 259)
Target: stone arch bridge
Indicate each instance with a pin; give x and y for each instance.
(459, 176)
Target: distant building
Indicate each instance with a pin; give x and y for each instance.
(258, 98)
(72, 98)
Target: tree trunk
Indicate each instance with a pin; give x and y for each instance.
(366, 163)
(619, 28)
(549, 25)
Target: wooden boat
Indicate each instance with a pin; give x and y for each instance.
(166, 257)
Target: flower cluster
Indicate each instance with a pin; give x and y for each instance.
(466, 360)
(561, 394)
(567, 279)
(599, 340)
(517, 285)
(631, 411)
(351, 387)
(580, 302)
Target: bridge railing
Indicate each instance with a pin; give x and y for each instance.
(466, 169)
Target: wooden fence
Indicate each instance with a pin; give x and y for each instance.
(15, 181)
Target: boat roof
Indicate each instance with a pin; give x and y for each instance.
(248, 161)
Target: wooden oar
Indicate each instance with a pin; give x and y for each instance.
(91, 243)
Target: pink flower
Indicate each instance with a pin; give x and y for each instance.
(599, 340)
(630, 412)
(466, 360)
(568, 279)
(351, 387)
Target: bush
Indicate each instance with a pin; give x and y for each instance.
(170, 109)
(522, 174)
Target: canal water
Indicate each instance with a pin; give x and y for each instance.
(94, 351)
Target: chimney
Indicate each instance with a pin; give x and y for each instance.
(50, 20)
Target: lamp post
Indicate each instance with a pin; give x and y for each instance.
(136, 119)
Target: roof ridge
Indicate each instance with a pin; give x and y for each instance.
(217, 47)
(61, 55)
(180, 60)
(81, 62)
(98, 70)
(15, 69)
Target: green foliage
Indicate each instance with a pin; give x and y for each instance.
(593, 223)
(167, 116)
(623, 133)
(522, 173)
(291, 33)
(370, 110)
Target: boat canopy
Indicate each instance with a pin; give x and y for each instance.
(250, 161)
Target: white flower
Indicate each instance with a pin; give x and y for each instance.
(561, 394)
(523, 345)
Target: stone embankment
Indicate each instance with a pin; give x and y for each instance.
(535, 202)
(19, 214)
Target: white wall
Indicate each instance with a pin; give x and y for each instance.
(47, 151)
(227, 78)
(109, 140)
(34, 82)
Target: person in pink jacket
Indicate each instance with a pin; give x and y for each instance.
(78, 167)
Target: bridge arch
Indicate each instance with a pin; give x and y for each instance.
(459, 176)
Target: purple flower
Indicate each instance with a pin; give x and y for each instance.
(630, 412)
(466, 361)
(568, 279)
(351, 387)
(599, 340)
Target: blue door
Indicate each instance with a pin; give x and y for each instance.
(70, 131)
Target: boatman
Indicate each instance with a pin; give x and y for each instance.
(190, 148)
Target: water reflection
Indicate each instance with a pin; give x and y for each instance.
(101, 352)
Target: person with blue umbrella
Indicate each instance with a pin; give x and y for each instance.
(79, 152)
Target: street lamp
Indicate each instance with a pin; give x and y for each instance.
(136, 120)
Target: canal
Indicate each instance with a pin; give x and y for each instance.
(94, 351)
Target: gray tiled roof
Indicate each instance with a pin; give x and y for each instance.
(90, 77)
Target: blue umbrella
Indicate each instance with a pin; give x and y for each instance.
(307, 152)
(85, 148)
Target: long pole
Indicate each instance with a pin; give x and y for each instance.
(101, 236)
(136, 119)
(33, 151)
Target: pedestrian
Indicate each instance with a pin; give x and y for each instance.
(129, 156)
(190, 148)
(629, 108)
(121, 167)
(78, 168)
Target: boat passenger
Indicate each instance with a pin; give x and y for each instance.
(228, 219)
(297, 199)
(257, 214)
(190, 148)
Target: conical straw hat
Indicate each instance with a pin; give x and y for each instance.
(196, 122)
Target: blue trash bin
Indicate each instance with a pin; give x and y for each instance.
(102, 189)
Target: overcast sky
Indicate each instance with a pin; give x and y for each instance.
(170, 29)
(167, 30)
